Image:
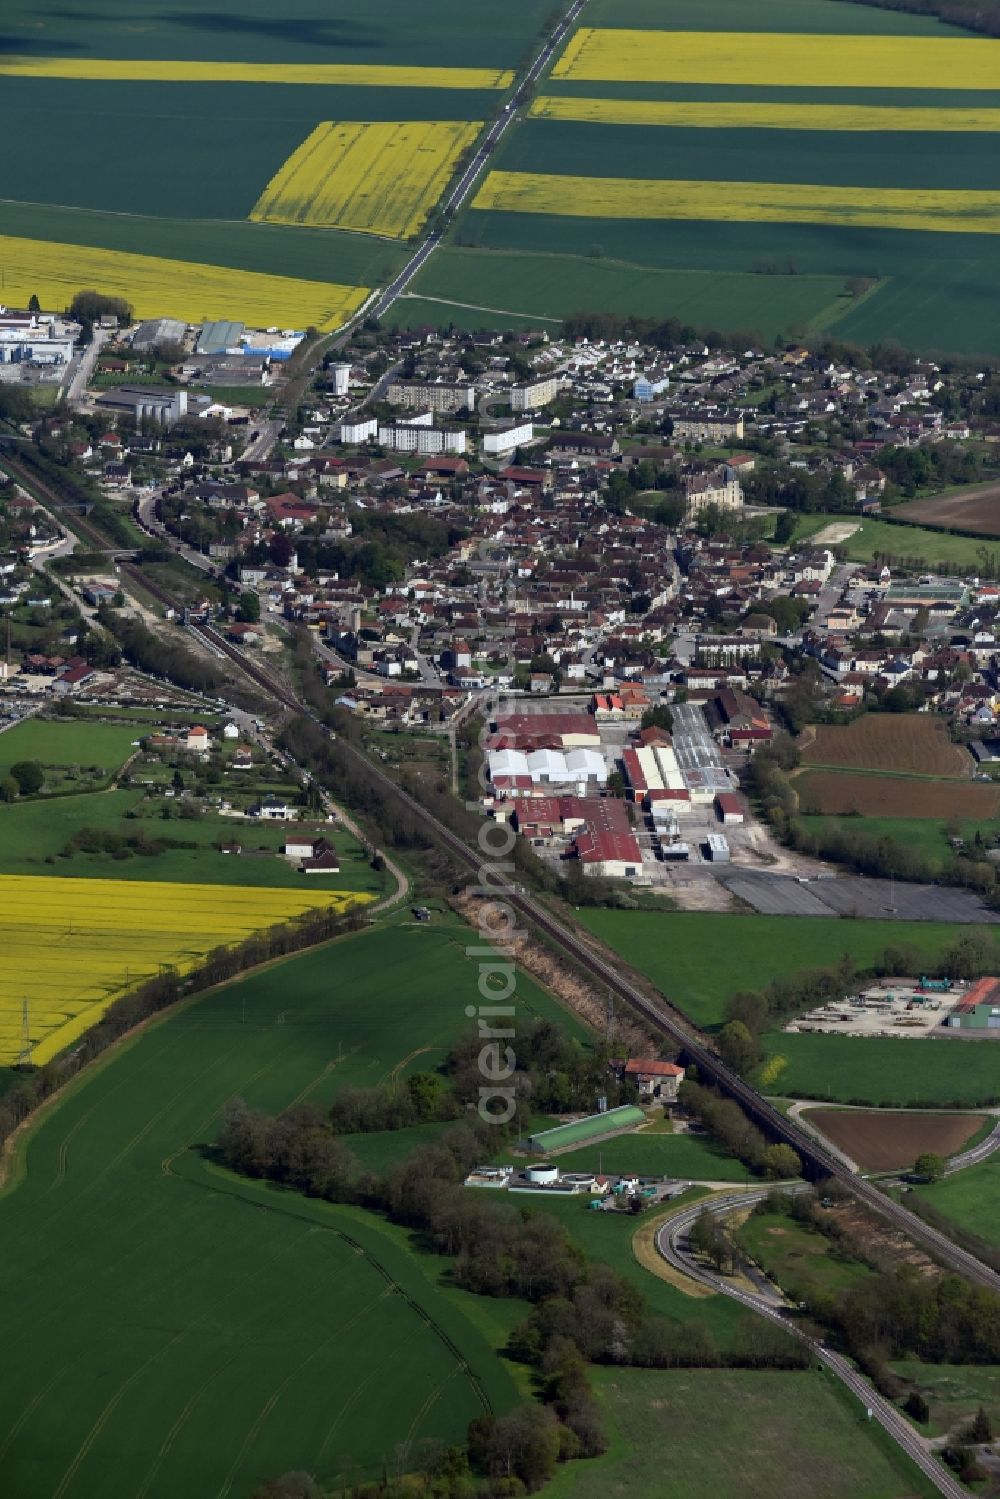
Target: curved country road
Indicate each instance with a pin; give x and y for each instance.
(672, 1241)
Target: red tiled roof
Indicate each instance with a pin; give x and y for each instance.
(643, 1067)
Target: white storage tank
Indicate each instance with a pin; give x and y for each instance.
(542, 1172)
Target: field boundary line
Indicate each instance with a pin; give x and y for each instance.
(13, 1163)
(30, 1410)
(476, 307)
(842, 304)
(280, 1388)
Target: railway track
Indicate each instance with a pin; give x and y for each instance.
(818, 1161)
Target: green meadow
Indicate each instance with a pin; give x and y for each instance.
(763, 1435)
(170, 1328)
(552, 285)
(699, 959)
(971, 1198)
(926, 836)
(65, 743)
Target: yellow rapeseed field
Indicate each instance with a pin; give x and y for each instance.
(965, 212)
(349, 75)
(71, 947)
(774, 59)
(181, 289)
(380, 178)
(719, 115)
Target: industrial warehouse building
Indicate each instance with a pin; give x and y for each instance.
(979, 1007)
(606, 845)
(594, 1127)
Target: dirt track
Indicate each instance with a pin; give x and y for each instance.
(880, 1140)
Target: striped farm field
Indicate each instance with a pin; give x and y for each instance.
(942, 210)
(718, 114)
(327, 75)
(780, 60)
(174, 288)
(906, 743)
(71, 947)
(843, 793)
(379, 177)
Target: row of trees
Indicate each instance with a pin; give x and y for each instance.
(736, 1132)
(582, 1311)
(972, 14)
(750, 1013)
(896, 1312)
(160, 657)
(156, 994)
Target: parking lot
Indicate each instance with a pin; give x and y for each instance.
(854, 895)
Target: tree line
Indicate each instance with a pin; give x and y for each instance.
(877, 855)
(736, 1132)
(972, 14)
(35, 1084)
(895, 1312)
(583, 1311)
(160, 657)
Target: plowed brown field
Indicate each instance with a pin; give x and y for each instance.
(914, 742)
(841, 794)
(974, 509)
(881, 1141)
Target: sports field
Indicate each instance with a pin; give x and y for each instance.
(907, 544)
(780, 141)
(694, 1157)
(173, 1330)
(380, 178)
(73, 946)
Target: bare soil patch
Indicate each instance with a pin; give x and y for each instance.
(884, 1141)
(905, 742)
(835, 794)
(974, 509)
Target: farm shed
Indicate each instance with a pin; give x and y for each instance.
(594, 1127)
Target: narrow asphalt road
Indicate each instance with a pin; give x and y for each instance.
(672, 1241)
(487, 146)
